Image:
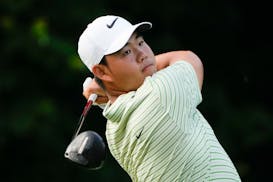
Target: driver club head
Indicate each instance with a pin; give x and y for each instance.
(87, 149)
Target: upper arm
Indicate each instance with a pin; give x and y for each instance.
(166, 59)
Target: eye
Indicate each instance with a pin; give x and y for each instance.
(126, 52)
(141, 43)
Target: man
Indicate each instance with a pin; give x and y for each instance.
(154, 129)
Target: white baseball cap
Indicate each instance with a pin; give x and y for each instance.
(104, 36)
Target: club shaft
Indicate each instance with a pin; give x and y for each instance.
(87, 107)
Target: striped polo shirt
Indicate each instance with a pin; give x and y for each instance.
(156, 133)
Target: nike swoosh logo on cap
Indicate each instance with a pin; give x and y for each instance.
(112, 24)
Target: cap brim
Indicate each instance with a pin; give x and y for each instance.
(125, 36)
(144, 26)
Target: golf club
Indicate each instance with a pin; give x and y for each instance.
(87, 148)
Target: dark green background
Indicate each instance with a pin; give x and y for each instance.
(41, 79)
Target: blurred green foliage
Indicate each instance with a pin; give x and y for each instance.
(41, 79)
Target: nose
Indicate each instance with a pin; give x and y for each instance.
(141, 56)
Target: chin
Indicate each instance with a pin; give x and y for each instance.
(150, 73)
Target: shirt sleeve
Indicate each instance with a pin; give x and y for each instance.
(178, 85)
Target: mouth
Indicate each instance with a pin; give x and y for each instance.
(145, 68)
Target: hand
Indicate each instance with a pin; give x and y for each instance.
(90, 86)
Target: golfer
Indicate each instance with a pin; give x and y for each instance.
(154, 129)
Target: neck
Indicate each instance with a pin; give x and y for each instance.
(113, 94)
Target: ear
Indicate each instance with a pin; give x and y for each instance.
(102, 72)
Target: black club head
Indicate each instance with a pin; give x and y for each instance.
(87, 149)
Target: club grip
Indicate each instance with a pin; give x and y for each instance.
(92, 98)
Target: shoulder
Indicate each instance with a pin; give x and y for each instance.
(177, 82)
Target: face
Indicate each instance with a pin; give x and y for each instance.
(129, 66)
